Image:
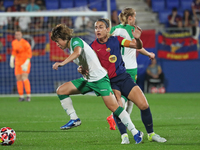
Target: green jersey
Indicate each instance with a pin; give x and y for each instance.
(88, 60)
(128, 54)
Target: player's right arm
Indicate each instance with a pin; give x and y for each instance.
(12, 57)
(74, 55)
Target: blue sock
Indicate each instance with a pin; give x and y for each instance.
(147, 120)
(120, 125)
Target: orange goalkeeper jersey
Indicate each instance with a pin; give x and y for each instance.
(21, 50)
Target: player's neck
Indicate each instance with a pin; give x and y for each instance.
(68, 44)
(103, 40)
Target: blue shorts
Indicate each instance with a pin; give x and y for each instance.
(123, 83)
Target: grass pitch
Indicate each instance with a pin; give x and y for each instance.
(37, 123)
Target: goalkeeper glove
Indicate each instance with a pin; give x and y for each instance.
(25, 65)
(12, 57)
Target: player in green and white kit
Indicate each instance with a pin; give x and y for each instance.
(95, 80)
(127, 18)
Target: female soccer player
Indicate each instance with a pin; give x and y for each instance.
(20, 59)
(96, 79)
(127, 18)
(108, 51)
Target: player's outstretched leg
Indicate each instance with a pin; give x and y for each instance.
(137, 96)
(67, 105)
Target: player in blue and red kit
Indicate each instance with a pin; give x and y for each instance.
(108, 48)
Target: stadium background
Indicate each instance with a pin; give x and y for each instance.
(180, 75)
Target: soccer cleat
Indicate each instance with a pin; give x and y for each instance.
(21, 99)
(125, 139)
(28, 99)
(111, 122)
(138, 137)
(71, 124)
(156, 137)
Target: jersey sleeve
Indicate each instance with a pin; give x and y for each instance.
(76, 42)
(120, 39)
(123, 42)
(28, 49)
(13, 49)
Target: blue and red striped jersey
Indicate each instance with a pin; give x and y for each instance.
(109, 54)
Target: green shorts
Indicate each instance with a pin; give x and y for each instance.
(101, 87)
(133, 73)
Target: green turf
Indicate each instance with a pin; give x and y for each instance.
(37, 123)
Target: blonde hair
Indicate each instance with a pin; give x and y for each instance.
(61, 31)
(107, 22)
(123, 16)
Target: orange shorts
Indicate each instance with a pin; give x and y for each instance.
(18, 69)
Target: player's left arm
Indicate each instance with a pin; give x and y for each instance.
(28, 55)
(137, 43)
(151, 55)
(28, 50)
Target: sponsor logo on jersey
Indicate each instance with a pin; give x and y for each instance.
(108, 49)
(112, 58)
(99, 49)
(104, 90)
(75, 42)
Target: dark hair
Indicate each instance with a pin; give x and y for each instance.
(105, 22)
(61, 31)
(174, 9)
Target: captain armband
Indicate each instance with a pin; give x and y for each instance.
(125, 43)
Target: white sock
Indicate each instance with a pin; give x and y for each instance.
(125, 118)
(21, 96)
(129, 107)
(68, 107)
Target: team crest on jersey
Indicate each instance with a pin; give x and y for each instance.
(112, 58)
(108, 49)
(75, 42)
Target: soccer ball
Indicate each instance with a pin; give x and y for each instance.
(7, 136)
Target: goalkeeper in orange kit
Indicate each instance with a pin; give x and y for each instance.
(20, 60)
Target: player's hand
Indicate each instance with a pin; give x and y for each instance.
(137, 32)
(25, 65)
(12, 61)
(56, 65)
(151, 56)
(12, 64)
(82, 71)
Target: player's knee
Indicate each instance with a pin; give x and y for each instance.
(58, 91)
(143, 106)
